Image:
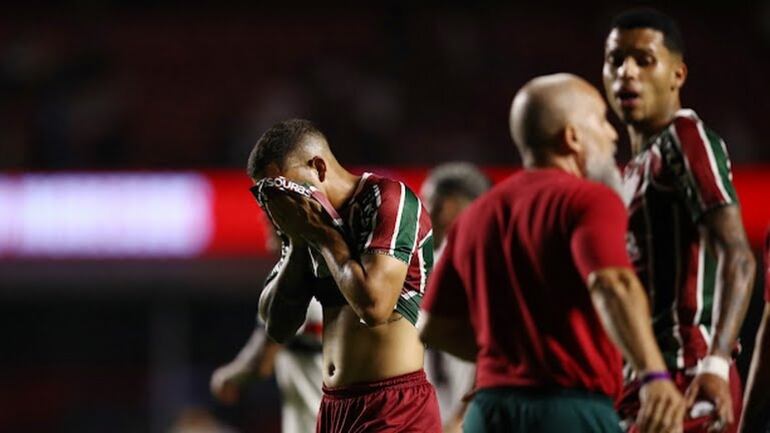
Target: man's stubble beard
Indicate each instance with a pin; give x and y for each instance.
(604, 170)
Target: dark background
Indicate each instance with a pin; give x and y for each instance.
(101, 85)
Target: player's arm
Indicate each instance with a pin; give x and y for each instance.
(284, 300)
(598, 248)
(453, 335)
(756, 409)
(444, 319)
(705, 185)
(621, 303)
(255, 361)
(371, 286)
(727, 240)
(371, 279)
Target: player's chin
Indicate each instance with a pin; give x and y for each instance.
(631, 114)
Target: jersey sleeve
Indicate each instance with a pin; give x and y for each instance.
(706, 178)
(598, 236)
(445, 294)
(396, 223)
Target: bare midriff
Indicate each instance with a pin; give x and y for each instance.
(356, 353)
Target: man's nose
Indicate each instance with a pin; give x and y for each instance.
(629, 68)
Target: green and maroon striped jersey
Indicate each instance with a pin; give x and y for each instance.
(680, 175)
(385, 217)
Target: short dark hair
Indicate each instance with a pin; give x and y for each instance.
(653, 19)
(278, 142)
(455, 178)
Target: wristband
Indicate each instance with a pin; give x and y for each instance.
(655, 375)
(715, 365)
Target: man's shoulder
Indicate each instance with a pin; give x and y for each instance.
(689, 131)
(384, 185)
(376, 190)
(587, 192)
(536, 187)
(559, 182)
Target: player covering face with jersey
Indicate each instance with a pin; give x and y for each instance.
(362, 246)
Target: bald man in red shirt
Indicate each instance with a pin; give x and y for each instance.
(535, 284)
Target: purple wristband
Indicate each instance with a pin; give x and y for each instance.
(655, 375)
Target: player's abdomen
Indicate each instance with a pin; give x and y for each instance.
(356, 353)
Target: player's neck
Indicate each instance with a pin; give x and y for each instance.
(568, 164)
(641, 133)
(340, 185)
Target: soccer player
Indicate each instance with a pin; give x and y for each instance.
(535, 284)
(297, 366)
(447, 191)
(369, 277)
(686, 237)
(756, 411)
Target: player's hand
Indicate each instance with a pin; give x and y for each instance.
(226, 381)
(662, 409)
(713, 388)
(453, 425)
(300, 218)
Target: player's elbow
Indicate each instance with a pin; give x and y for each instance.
(742, 262)
(614, 285)
(375, 313)
(374, 317)
(278, 332)
(606, 282)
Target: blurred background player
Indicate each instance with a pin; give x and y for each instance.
(297, 367)
(369, 276)
(686, 236)
(447, 191)
(535, 283)
(756, 410)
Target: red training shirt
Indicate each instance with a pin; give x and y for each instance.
(515, 262)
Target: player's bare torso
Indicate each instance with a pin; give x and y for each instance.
(354, 352)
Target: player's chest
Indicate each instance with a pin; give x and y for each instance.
(360, 218)
(655, 174)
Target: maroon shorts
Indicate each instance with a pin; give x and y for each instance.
(628, 405)
(405, 403)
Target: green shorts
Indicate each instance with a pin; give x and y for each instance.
(509, 410)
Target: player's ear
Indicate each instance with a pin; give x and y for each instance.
(319, 165)
(680, 76)
(570, 140)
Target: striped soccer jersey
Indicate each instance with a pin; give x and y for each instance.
(385, 217)
(681, 174)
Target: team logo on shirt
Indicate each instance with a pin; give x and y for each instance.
(363, 215)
